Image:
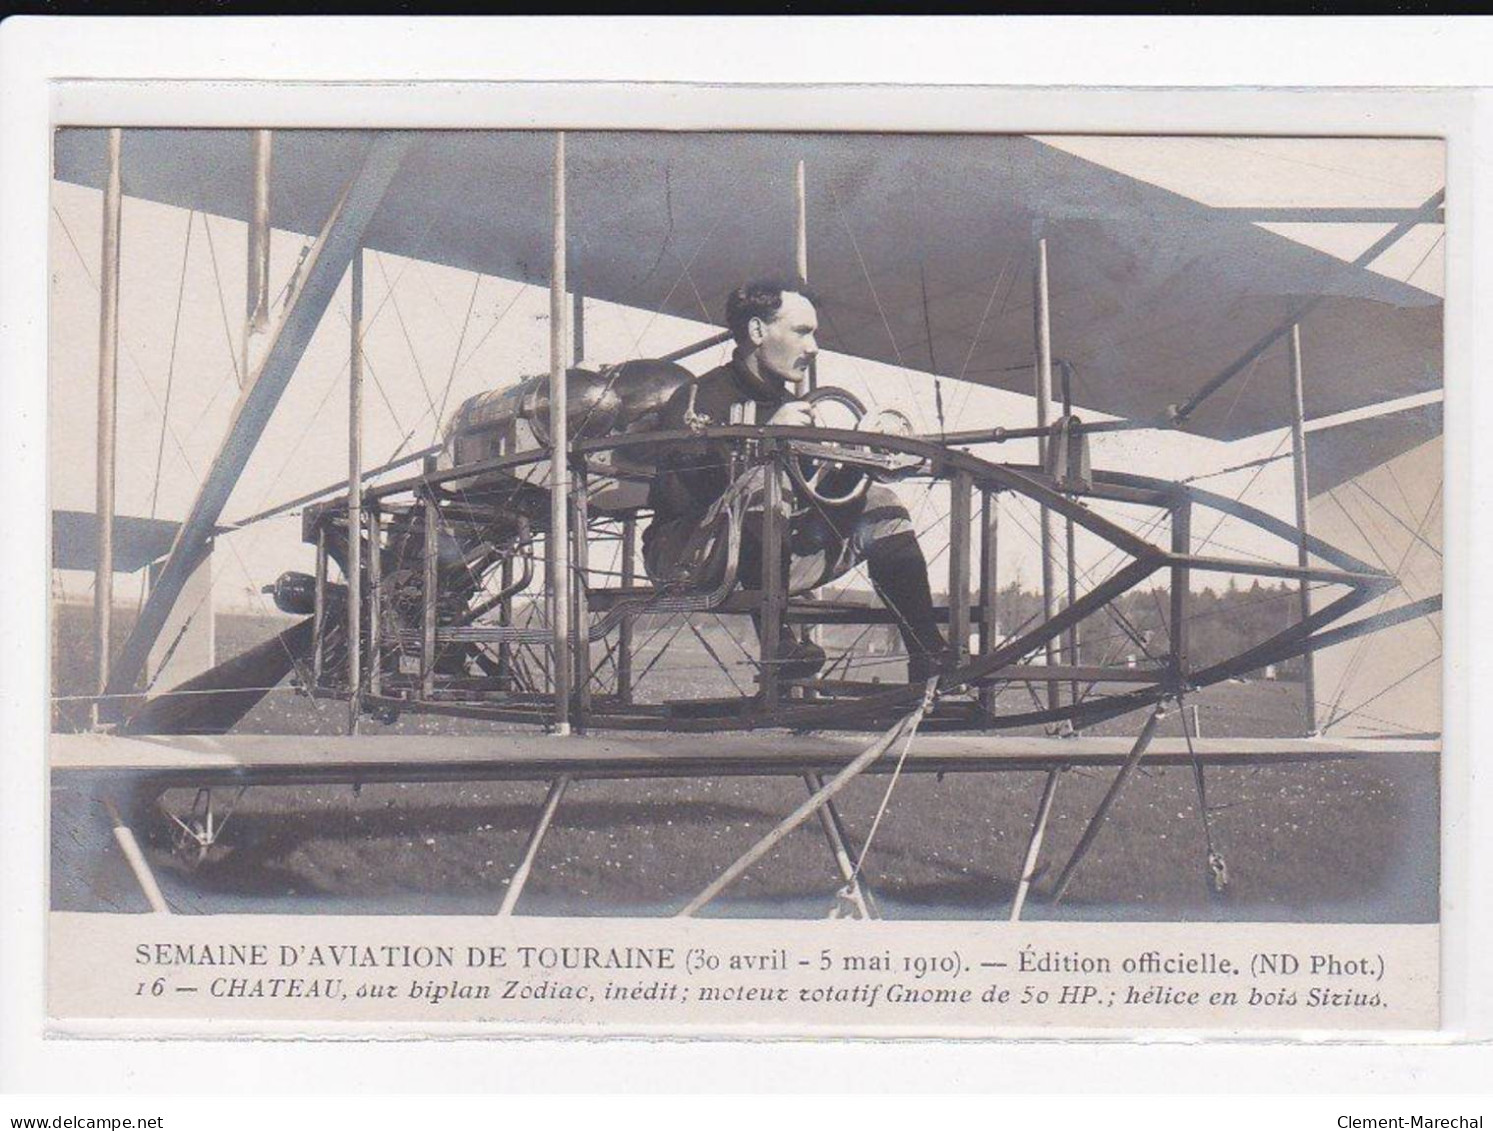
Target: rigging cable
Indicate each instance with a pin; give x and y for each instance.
(930, 694)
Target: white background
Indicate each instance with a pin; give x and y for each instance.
(1027, 52)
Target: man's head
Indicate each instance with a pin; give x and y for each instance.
(774, 324)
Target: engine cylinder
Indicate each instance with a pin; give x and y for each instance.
(294, 592)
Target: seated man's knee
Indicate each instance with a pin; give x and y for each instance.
(880, 495)
(884, 519)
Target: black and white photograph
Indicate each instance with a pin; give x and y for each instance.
(846, 558)
(563, 525)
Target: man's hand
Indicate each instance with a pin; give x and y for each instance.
(794, 414)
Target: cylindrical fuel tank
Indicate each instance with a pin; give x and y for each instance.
(591, 405)
(480, 424)
(621, 398)
(644, 388)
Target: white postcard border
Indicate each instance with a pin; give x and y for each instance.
(1462, 117)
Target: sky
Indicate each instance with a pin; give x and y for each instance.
(437, 335)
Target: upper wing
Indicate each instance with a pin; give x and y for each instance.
(919, 244)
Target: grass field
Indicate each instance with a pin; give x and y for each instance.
(1339, 841)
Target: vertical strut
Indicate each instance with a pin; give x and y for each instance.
(801, 246)
(257, 292)
(319, 606)
(531, 850)
(375, 599)
(810, 632)
(559, 533)
(1034, 843)
(581, 533)
(108, 370)
(124, 837)
(624, 632)
(1096, 822)
(1042, 318)
(1181, 583)
(506, 442)
(960, 496)
(505, 617)
(774, 584)
(355, 498)
(1071, 557)
(581, 637)
(1071, 640)
(990, 520)
(839, 847)
(577, 328)
(1298, 464)
(430, 587)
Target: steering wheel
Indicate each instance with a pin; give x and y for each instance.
(818, 477)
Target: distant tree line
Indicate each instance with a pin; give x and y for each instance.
(1222, 623)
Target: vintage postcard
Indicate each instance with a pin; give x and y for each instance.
(759, 583)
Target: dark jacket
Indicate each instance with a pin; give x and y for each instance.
(690, 479)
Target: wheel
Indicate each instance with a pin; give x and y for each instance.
(821, 480)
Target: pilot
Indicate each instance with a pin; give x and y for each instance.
(774, 324)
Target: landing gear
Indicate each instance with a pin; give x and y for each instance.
(195, 833)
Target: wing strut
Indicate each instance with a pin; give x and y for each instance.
(905, 727)
(108, 366)
(322, 273)
(1303, 555)
(559, 578)
(1427, 213)
(1096, 822)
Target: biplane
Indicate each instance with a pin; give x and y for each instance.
(494, 575)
